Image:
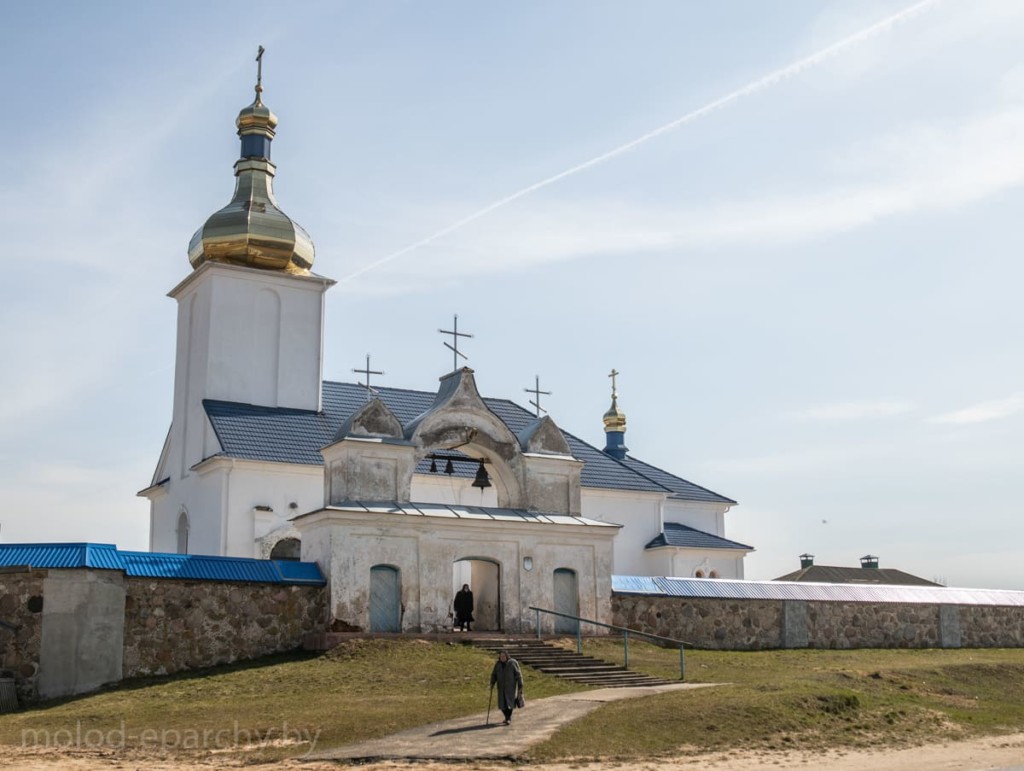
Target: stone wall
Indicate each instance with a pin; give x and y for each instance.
(21, 605)
(706, 623)
(725, 624)
(175, 625)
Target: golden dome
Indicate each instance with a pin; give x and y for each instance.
(252, 230)
(615, 419)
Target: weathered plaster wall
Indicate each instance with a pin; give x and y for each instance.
(174, 625)
(757, 624)
(83, 622)
(21, 605)
(347, 544)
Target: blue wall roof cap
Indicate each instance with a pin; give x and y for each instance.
(139, 564)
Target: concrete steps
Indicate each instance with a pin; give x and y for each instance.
(568, 664)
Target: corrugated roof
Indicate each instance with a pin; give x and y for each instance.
(722, 588)
(159, 565)
(103, 556)
(450, 511)
(829, 574)
(684, 536)
(296, 436)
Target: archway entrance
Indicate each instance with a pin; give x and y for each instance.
(567, 600)
(385, 599)
(484, 579)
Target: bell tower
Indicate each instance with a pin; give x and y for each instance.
(250, 314)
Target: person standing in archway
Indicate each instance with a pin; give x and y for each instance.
(464, 609)
(509, 678)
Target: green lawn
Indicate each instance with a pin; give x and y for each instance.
(362, 690)
(775, 699)
(806, 699)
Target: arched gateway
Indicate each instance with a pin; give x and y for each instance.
(505, 538)
(483, 576)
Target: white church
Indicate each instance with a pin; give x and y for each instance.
(399, 496)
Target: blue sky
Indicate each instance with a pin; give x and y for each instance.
(812, 293)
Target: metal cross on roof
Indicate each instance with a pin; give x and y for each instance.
(537, 393)
(368, 372)
(456, 334)
(259, 71)
(614, 374)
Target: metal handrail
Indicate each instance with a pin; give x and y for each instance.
(626, 632)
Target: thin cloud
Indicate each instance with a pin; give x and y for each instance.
(766, 81)
(919, 168)
(983, 412)
(858, 410)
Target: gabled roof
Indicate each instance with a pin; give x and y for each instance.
(683, 536)
(106, 556)
(827, 574)
(295, 436)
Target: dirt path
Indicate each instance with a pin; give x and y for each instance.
(476, 737)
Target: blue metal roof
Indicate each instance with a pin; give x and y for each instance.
(61, 555)
(722, 588)
(674, 534)
(159, 565)
(295, 436)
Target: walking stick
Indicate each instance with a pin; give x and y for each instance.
(490, 695)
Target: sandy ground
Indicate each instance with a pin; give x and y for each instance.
(1003, 752)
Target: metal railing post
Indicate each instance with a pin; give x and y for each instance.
(625, 636)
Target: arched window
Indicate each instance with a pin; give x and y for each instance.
(183, 532)
(699, 574)
(713, 574)
(287, 549)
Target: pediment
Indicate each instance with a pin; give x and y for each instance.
(458, 412)
(544, 437)
(373, 419)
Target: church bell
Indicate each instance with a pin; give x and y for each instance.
(482, 480)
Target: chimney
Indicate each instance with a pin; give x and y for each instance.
(869, 561)
(806, 561)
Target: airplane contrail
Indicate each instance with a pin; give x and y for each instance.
(765, 81)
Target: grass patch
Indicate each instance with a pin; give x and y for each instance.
(365, 689)
(807, 699)
(361, 690)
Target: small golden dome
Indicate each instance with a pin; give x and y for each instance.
(252, 230)
(615, 419)
(256, 118)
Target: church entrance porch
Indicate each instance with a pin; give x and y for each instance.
(484, 579)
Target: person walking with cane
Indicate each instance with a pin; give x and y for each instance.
(509, 678)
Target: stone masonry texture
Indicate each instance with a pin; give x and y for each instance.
(758, 624)
(21, 606)
(175, 625)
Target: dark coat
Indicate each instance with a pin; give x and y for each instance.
(463, 606)
(509, 678)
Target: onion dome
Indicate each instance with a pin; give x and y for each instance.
(615, 425)
(252, 230)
